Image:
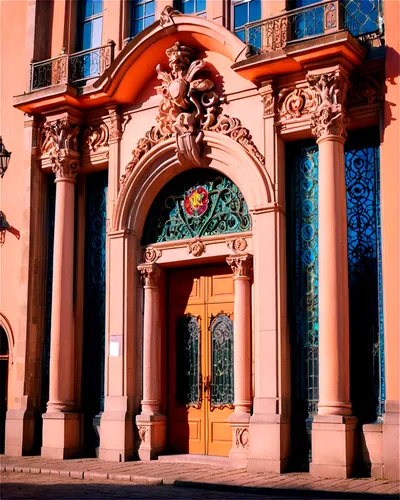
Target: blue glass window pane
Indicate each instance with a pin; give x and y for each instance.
(148, 21)
(201, 5)
(150, 8)
(188, 7)
(255, 10)
(97, 6)
(138, 26)
(87, 8)
(96, 32)
(240, 34)
(87, 36)
(303, 3)
(240, 14)
(139, 11)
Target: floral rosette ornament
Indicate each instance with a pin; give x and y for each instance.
(196, 201)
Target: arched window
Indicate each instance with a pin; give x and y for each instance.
(200, 202)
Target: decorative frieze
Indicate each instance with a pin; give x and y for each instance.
(366, 89)
(196, 247)
(268, 98)
(95, 137)
(115, 124)
(329, 117)
(150, 274)
(241, 265)
(167, 15)
(294, 103)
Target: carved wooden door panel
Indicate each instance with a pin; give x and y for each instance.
(200, 360)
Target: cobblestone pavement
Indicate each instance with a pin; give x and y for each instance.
(37, 478)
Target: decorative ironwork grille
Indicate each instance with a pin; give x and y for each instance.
(221, 328)
(362, 18)
(51, 206)
(365, 275)
(94, 302)
(196, 203)
(188, 390)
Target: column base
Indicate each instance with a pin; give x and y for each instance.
(117, 441)
(61, 435)
(238, 455)
(391, 440)
(20, 432)
(333, 442)
(153, 435)
(269, 443)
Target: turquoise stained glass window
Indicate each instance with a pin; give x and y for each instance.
(200, 202)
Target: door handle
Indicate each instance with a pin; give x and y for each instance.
(207, 384)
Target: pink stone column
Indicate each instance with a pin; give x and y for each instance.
(151, 339)
(242, 267)
(61, 422)
(333, 430)
(151, 423)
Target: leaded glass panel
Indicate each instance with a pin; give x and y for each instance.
(222, 387)
(365, 275)
(188, 361)
(197, 203)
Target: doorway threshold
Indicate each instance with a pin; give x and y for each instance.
(196, 459)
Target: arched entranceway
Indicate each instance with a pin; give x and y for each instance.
(4, 360)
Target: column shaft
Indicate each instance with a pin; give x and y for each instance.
(62, 344)
(334, 397)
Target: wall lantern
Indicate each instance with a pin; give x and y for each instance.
(4, 158)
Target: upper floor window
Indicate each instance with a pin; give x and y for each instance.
(91, 23)
(245, 11)
(197, 7)
(143, 14)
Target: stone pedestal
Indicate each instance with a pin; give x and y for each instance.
(60, 435)
(391, 440)
(333, 446)
(153, 435)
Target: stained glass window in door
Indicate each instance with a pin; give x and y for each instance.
(188, 360)
(221, 328)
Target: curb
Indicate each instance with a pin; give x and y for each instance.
(285, 493)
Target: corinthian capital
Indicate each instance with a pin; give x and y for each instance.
(58, 135)
(329, 117)
(65, 164)
(241, 265)
(150, 274)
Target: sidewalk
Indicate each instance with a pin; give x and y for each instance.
(207, 476)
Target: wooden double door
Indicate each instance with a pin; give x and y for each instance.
(200, 360)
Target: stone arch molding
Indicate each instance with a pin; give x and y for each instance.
(10, 336)
(191, 131)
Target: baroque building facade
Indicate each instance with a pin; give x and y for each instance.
(200, 232)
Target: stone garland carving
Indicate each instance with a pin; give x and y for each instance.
(268, 99)
(96, 136)
(196, 247)
(61, 134)
(242, 438)
(152, 254)
(237, 245)
(189, 106)
(329, 118)
(293, 103)
(241, 265)
(150, 274)
(115, 124)
(143, 432)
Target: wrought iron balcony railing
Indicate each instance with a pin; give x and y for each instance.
(363, 19)
(75, 68)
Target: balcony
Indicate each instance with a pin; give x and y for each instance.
(363, 19)
(76, 69)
